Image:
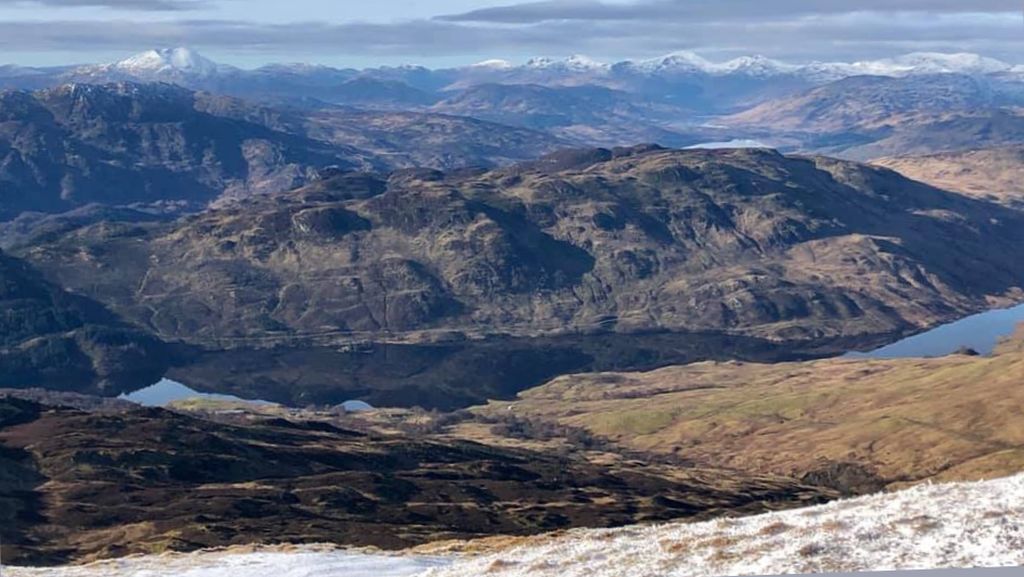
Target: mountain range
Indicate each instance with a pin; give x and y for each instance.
(182, 63)
(606, 320)
(858, 110)
(127, 143)
(681, 79)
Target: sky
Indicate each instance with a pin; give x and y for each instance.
(449, 32)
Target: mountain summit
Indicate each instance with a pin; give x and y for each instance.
(165, 60)
(179, 65)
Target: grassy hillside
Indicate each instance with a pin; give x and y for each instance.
(992, 174)
(860, 422)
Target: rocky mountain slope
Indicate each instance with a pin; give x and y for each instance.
(994, 174)
(125, 143)
(51, 338)
(589, 241)
(869, 116)
(79, 486)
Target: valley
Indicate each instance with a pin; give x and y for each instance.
(397, 289)
(557, 317)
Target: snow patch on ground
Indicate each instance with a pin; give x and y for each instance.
(297, 562)
(927, 527)
(966, 525)
(737, 143)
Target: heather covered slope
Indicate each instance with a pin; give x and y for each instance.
(634, 240)
(930, 527)
(77, 486)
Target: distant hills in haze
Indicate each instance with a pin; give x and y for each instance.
(924, 102)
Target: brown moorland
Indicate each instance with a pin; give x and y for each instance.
(994, 174)
(855, 423)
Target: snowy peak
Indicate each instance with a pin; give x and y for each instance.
(685, 62)
(168, 60)
(756, 66)
(918, 63)
(494, 64)
(939, 63)
(676, 62)
(574, 63)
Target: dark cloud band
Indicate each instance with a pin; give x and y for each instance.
(138, 5)
(714, 10)
(798, 37)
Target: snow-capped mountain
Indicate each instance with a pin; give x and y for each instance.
(692, 63)
(180, 60)
(493, 64)
(166, 64)
(915, 64)
(684, 62)
(574, 63)
(186, 66)
(686, 81)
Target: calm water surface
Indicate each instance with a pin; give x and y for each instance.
(980, 332)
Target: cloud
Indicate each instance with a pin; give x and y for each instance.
(795, 36)
(714, 10)
(140, 5)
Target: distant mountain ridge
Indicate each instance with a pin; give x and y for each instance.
(186, 60)
(187, 67)
(123, 143)
(675, 100)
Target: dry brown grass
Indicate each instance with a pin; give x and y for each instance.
(995, 174)
(812, 550)
(955, 418)
(777, 528)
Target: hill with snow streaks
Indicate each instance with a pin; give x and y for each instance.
(927, 527)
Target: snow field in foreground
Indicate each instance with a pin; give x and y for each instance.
(927, 527)
(300, 562)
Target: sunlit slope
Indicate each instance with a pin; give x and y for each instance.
(905, 420)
